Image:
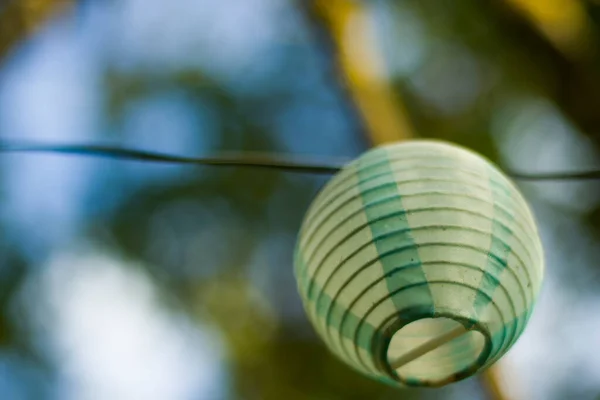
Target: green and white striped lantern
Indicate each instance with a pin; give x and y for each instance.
(419, 263)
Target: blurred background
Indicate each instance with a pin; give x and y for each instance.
(126, 280)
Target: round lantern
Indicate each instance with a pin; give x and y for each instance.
(419, 263)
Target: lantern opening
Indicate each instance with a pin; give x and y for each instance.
(457, 354)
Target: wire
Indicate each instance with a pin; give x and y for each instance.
(554, 176)
(246, 159)
(253, 160)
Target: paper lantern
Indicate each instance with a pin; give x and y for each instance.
(420, 249)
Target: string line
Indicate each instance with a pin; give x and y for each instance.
(245, 159)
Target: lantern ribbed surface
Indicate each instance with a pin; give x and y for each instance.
(411, 240)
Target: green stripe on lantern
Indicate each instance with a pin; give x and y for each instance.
(391, 216)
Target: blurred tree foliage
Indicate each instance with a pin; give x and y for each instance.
(20, 18)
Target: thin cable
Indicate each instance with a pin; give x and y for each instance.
(256, 160)
(252, 160)
(554, 176)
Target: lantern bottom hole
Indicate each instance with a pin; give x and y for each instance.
(456, 351)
